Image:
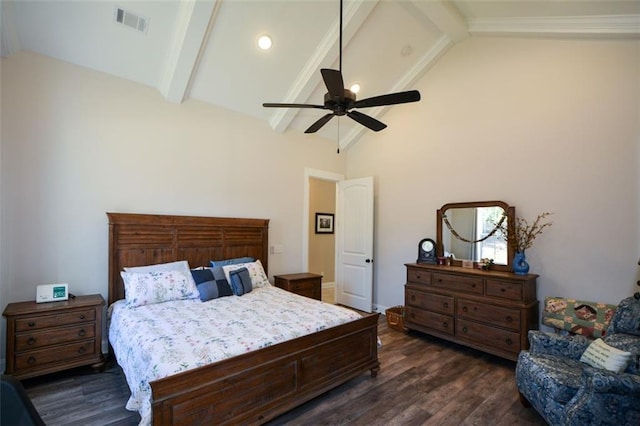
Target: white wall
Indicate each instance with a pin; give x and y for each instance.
(545, 125)
(77, 143)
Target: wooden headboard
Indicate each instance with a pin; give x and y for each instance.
(144, 239)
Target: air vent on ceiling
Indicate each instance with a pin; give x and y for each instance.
(131, 20)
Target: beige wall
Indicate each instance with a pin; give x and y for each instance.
(77, 143)
(322, 199)
(545, 125)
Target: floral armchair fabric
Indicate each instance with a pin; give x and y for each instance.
(566, 391)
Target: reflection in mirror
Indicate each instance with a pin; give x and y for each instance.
(471, 234)
(469, 231)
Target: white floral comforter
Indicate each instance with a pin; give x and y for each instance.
(159, 340)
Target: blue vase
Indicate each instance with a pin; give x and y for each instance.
(520, 265)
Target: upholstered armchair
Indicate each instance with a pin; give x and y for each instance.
(567, 391)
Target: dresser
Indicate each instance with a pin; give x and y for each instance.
(304, 284)
(491, 311)
(46, 337)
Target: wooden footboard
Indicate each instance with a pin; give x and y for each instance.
(258, 386)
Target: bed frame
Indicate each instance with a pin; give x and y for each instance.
(254, 387)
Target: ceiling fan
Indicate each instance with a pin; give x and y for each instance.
(341, 101)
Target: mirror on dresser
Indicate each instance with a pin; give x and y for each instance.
(468, 231)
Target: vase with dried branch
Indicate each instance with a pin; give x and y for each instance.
(520, 236)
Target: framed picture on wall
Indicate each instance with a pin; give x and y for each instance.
(324, 223)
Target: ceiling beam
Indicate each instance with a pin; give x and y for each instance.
(189, 38)
(445, 17)
(355, 13)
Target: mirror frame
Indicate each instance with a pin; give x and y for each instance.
(511, 217)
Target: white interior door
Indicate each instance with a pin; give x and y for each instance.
(354, 243)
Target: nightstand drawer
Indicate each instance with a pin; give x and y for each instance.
(41, 357)
(46, 321)
(304, 284)
(36, 339)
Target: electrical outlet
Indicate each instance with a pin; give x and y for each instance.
(277, 249)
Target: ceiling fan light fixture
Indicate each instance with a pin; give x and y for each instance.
(355, 88)
(265, 42)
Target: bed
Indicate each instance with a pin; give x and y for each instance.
(256, 386)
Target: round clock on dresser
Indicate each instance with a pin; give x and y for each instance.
(427, 251)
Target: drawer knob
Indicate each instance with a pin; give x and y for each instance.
(82, 316)
(464, 329)
(31, 341)
(413, 297)
(82, 333)
(445, 305)
(82, 350)
(418, 276)
(32, 324)
(31, 360)
(473, 286)
(508, 341)
(445, 324)
(503, 290)
(509, 319)
(465, 309)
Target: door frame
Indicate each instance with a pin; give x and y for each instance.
(316, 174)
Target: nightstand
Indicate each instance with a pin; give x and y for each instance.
(304, 284)
(46, 337)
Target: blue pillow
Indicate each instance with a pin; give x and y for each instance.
(211, 283)
(240, 281)
(234, 261)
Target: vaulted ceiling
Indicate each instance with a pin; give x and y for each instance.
(207, 50)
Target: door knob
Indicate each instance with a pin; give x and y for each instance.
(368, 261)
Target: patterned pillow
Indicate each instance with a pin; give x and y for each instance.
(146, 288)
(256, 272)
(240, 281)
(235, 261)
(180, 265)
(211, 285)
(601, 355)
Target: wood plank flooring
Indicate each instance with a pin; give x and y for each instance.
(422, 381)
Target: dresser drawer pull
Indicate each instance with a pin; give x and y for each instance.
(465, 329)
(445, 324)
(503, 290)
(509, 319)
(82, 333)
(413, 297)
(82, 316)
(508, 341)
(31, 341)
(32, 324)
(445, 305)
(418, 276)
(31, 360)
(465, 309)
(82, 350)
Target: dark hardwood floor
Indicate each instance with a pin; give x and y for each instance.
(422, 381)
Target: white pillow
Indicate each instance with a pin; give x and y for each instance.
(601, 355)
(146, 288)
(180, 265)
(256, 272)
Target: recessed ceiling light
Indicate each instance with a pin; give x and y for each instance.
(355, 88)
(264, 42)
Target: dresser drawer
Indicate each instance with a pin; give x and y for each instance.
(505, 289)
(430, 302)
(46, 321)
(488, 336)
(418, 276)
(457, 283)
(36, 339)
(496, 315)
(428, 319)
(40, 357)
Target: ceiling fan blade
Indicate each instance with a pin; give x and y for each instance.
(390, 99)
(366, 121)
(277, 105)
(318, 124)
(333, 81)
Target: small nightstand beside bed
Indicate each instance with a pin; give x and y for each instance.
(235, 359)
